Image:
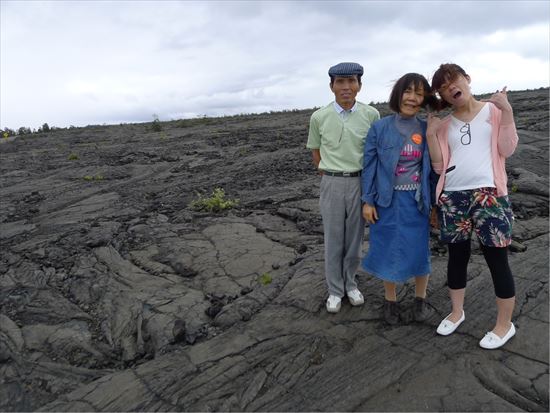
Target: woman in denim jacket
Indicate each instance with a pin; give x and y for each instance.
(396, 189)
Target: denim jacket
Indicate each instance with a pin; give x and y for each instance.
(381, 155)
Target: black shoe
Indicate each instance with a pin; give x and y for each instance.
(391, 312)
(421, 311)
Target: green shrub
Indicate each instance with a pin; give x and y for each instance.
(97, 177)
(156, 126)
(215, 203)
(73, 157)
(7, 132)
(265, 278)
(185, 123)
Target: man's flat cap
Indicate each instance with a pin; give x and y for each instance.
(346, 69)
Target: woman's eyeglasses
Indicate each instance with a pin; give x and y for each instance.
(466, 137)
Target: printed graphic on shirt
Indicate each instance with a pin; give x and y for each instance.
(410, 152)
(400, 170)
(407, 171)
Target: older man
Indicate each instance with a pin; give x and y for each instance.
(337, 135)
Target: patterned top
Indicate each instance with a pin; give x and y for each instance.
(407, 172)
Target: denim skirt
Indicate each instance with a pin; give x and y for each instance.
(399, 246)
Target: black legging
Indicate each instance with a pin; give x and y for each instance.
(497, 260)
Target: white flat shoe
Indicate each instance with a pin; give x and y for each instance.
(491, 341)
(447, 327)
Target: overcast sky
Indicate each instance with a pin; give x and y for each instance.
(80, 63)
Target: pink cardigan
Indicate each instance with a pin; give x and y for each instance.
(504, 139)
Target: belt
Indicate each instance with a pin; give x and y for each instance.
(343, 174)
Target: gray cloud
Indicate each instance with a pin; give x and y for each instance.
(479, 16)
(94, 62)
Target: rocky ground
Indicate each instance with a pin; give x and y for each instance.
(117, 295)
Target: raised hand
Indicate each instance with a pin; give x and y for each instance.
(500, 100)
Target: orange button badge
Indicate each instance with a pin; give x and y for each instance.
(416, 138)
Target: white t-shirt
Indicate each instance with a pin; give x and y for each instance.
(471, 164)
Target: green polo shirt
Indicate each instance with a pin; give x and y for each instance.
(341, 141)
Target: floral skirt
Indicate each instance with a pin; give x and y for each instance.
(399, 246)
(479, 210)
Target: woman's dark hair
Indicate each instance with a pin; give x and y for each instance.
(447, 72)
(419, 82)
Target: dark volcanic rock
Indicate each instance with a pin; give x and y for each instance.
(117, 296)
(179, 331)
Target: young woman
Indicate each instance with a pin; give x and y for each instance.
(468, 149)
(396, 196)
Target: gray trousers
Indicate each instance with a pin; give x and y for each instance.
(344, 227)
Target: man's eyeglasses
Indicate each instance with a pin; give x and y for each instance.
(466, 137)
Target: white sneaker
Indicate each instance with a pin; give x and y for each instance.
(333, 304)
(355, 297)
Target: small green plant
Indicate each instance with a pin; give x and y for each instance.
(7, 132)
(89, 178)
(183, 123)
(265, 278)
(215, 203)
(73, 157)
(514, 188)
(156, 125)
